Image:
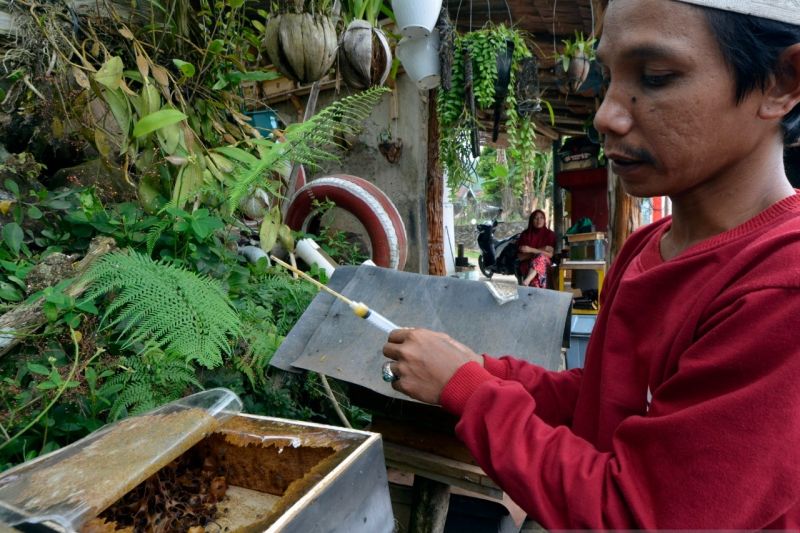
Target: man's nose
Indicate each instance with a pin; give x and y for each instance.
(614, 115)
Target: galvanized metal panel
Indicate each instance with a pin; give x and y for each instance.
(352, 499)
(331, 340)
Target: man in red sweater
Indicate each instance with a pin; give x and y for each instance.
(687, 413)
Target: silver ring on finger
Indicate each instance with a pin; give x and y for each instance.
(388, 375)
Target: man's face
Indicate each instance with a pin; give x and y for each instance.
(669, 117)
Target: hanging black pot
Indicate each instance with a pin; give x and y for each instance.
(365, 58)
(301, 45)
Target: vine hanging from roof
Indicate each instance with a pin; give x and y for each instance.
(477, 56)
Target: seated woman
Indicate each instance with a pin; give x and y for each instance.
(535, 250)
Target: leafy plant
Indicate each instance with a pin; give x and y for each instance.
(455, 122)
(306, 142)
(149, 380)
(362, 10)
(164, 306)
(302, 6)
(577, 47)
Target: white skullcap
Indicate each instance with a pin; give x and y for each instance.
(781, 10)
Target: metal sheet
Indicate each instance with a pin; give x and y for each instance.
(295, 342)
(343, 346)
(353, 499)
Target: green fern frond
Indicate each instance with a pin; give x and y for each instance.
(261, 346)
(133, 399)
(306, 142)
(166, 306)
(154, 234)
(149, 380)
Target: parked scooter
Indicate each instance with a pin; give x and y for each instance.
(497, 257)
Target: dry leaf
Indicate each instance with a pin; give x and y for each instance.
(161, 75)
(5, 206)
(80, 78)
(125, 32)
(268, 235)
(142, 64)
(102, 143)
(127, 90)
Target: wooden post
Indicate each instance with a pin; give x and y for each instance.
(624, 216)
(429, 505)
(558, 204)
(435, 194)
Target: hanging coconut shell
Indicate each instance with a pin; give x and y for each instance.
(301, 45)
(365, 57)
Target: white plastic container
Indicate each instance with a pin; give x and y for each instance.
(416, 18)
(420, 58)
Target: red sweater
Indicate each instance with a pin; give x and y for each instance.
(687, 412)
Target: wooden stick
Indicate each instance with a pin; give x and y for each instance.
(306, 277)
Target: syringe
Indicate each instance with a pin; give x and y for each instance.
(373, 317)
(360, 309)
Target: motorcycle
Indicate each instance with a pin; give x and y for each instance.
(497, 256)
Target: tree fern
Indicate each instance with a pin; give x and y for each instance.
(271, 308)
(306, 142)
(261, 346)
(162, 305)
(148, 381)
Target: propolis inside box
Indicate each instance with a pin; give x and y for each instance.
(200, 468)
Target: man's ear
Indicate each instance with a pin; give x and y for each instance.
(783, 91)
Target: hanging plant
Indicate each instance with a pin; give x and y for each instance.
(574, 62)
(300, 39)
(494, 95)
(365, 58)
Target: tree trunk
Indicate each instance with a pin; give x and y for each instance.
(435, 194)
(28, 317)
(624, 214)
(529, 192)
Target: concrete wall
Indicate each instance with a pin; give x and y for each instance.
(404, 181)
(467, 235)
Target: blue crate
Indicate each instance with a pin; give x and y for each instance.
(581, 328)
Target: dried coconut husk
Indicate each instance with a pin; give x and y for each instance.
(301, 45)
(365, 58)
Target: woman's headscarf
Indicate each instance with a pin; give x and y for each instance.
(533, 228)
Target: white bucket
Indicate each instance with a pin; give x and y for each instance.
(420, 58)
(416, 18)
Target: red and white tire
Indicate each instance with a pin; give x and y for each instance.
(367, 203)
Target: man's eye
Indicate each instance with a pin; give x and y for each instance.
(652, 80)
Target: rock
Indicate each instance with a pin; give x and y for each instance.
(108, 180)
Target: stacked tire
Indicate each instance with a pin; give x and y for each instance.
(363, 200)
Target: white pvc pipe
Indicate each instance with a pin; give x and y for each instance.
(253, 254)
(310, 252)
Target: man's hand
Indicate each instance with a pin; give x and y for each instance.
(425, 361)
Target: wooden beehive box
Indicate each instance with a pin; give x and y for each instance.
(257, 473)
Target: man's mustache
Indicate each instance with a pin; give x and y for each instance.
(629, 152)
